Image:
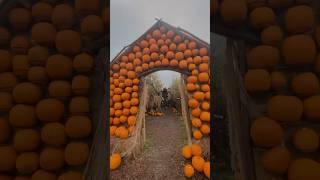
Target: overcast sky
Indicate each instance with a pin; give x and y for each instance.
(131, 18)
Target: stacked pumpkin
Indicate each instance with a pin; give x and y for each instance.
(297, 97)
(44, 100)
(198, 85)
(159, 48)
(194, 152)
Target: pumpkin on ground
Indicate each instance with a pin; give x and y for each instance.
(187, 152)
(198, 163)
(115, 161)
(188, 170)
(206, 169)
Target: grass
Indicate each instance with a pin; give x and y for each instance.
(147, 144)
(183, 139)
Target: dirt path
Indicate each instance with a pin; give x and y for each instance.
(161, 159)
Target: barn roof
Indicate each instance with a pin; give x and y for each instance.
(158, 24)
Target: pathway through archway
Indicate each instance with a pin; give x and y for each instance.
(161, 157)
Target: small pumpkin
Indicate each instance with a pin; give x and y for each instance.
(186, 152)
(20, 65)
(278, 81)
(43, 33)
(196, 122)
(197, 134)
(233, 12)
(20, 44)
(5, 36)
(299, 19)
(205, 116)
(80, 85)
(37, 75)
(303, 168)
(272, 35)
(198, 163)
(86, 7)
(6, 102)
(5, 130)
(115, 161)
(262, 17)
(188, 171)
(59, 89)
(26, 93)
(310, 105)
(6, 60)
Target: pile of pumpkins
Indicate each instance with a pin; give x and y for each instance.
(45, 118)
(155, 113)
(194, 152)
(295, 90)
(161, 47)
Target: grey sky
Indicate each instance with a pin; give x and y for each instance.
(131, 18)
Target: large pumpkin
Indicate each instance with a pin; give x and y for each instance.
(302, 168)
(306, 140)
(26, 93)
(19, 18)
(38, 55)
(7, 81)
(233, 12)
(305, 84)
(42, 174)
(76, 153)
(26, 140)
(299, 50)
(63, 16)
(299, 19)
(5, 63)
(43, 33)
(310, 107)
(276, 160)
(257, 80)
(22, 116)
(266, 132)
(41, 11)
(51, 159)
(59, 89)
(53, 134)
(92, 26)
(285, 108)
(27, 162)
(263, 57)
(49, 110)
(68, 42)
(5, 130)
(262, 17)
(8, 155)
(78, 127)
(59, 67)
(272, 35)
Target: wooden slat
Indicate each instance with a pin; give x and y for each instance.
(184, 108)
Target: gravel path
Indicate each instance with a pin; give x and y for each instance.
(161, 159)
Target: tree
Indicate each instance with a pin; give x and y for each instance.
(154, 84)
(174, 88)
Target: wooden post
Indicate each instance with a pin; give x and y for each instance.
(184, 108)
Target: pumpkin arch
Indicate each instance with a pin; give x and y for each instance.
(162, 47)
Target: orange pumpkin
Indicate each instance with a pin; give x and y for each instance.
(306, 140)
(299, 19)
(198, 163)
(186, 152)
(233, 12)
(188, 171)
(276, 160)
